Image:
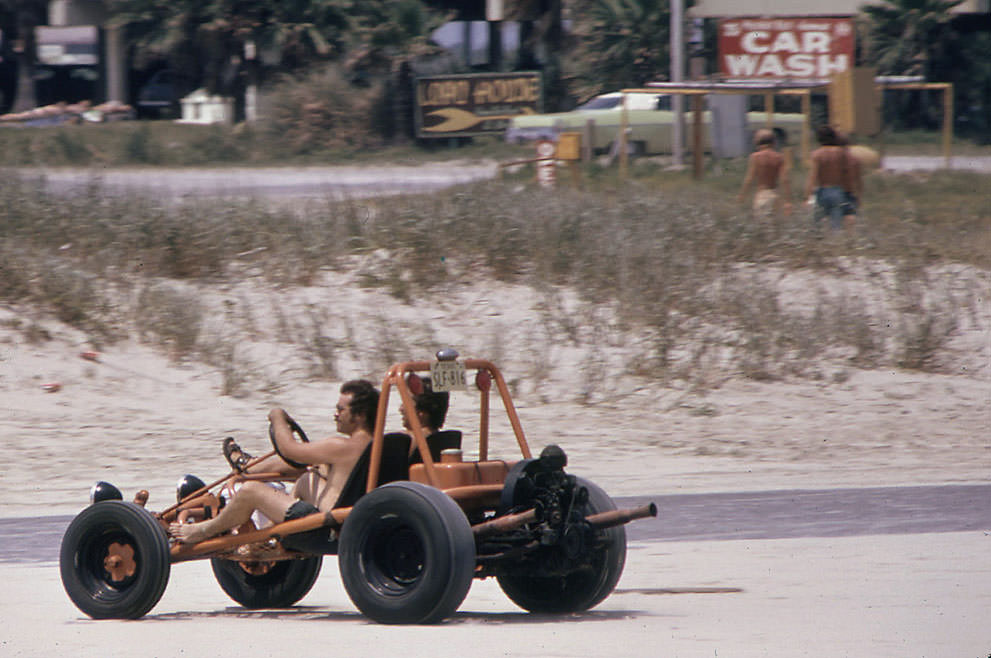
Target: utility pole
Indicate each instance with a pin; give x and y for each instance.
(677, 75)
(251, 91)
(494, 15)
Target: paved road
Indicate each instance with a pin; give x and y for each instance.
(979, 163)
(339, 181)
(270, 182)
(700, 517)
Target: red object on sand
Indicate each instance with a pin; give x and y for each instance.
(90, 355)
(52, 387)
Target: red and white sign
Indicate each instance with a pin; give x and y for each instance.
(546, 176)
(785, 48)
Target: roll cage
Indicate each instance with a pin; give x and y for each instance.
(485, 374)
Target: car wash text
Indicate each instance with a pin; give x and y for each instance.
(785, 48)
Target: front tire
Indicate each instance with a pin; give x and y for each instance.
(114, 560)
(267, 585)
(407, 554)
(583, 588)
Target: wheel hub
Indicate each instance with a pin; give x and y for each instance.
(400, 557)
(256, 568)
(119, 562)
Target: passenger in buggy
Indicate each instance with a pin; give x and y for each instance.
(430, 408)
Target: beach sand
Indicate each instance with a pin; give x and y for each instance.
(138, 418)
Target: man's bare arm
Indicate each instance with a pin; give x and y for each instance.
(323, 451)
(810, 181)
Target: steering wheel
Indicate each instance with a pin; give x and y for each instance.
(297, 430)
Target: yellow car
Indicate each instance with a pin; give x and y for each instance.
(649, 119)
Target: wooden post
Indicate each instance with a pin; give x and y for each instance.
(880, 134)
(588, 141)
(769, 108)
(697, 134)
(624, 156)
(806, 125)
(677, 50)
(947, 122)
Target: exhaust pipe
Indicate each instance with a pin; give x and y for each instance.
(617, 517)
(505, 523)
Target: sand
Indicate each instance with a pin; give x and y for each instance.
(141, 419)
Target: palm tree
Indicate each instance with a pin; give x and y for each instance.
(621, 43)
(204, 38)
(916, 38)
(910, 37)
(25, 15)
(207, 36)
(389, 31)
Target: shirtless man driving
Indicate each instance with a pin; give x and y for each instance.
(330, 463)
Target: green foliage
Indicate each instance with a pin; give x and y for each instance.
(922, 37)
(138, 146)
(620, 43)
(18, 19)
(320, 110)
(296, 32)
(911, 37)
(385, 30)
(208, 39)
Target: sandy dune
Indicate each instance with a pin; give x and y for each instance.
(139, 419)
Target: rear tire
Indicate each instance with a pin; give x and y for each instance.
(280, 585)
(407, 554)
(582, 589)
(114, 560)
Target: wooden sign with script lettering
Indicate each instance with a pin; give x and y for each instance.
(474, 104)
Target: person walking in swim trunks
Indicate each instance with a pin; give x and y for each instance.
(769, 169)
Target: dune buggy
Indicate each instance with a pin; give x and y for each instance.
(410, 537)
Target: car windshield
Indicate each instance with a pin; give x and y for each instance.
(601, 103)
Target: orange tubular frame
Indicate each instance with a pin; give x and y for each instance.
(486, 494)
(397, 377)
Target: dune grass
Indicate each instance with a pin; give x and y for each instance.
(679, 266)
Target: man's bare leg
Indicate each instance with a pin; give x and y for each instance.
(250, 497)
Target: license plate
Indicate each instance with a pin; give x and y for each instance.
(448, 376)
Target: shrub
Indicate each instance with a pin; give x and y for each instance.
(320, 110)
(170, 316)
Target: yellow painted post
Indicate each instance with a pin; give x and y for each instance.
(880, 134)
(697, 134)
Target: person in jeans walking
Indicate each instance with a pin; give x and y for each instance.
(834, 178)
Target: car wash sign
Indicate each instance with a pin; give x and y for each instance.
(785, 48)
